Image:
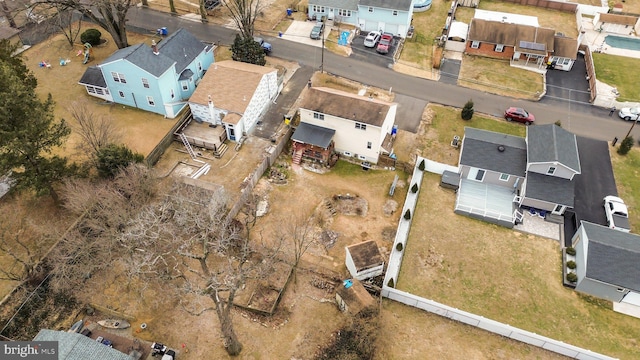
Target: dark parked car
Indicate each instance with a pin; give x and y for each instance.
(265, 45)
(520, 115)
(385, 43)
(317, 30)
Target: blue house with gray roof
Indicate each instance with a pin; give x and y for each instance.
(501, 174)
(159, 77)
(392, 16)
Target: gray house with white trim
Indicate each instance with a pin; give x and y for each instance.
(607, 266)
(74, 346)
(500, 173)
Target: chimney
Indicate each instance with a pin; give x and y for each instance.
(154, 47)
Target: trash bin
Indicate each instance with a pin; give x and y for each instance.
(289, 12)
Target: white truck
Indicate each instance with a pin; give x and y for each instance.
(617, 213)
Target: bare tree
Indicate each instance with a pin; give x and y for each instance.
(70, 28)
(14, 245)
(96, 131)
(7, 14)
(244, 14)
(190, 240)
(111, 14)
(299, 232)
(105, 208)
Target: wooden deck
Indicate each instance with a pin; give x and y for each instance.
(204, 136)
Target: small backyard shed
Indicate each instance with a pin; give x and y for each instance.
(364, 260)
(352, 297)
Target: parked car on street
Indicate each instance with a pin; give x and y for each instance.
(266, 47)
(629, 114)
(519, 115)
(317, 30)
(385, 43)
(372, 39)
(617, 213)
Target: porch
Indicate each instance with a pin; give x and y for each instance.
(487, 202)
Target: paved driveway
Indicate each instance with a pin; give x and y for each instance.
(370, 55)
(449, 71)
(567, 85)
(299, 32)
(594, 183)
(409, 112)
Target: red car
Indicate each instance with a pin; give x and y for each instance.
(520, 115)
(385, 43)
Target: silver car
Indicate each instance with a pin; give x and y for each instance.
(372, 39)
(629, 114)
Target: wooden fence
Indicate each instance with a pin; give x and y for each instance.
(547, 4)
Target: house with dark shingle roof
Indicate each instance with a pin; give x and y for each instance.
(354, 126)
(392, 16)
(158, 77)
(607, 266)
(501, 174)
(525, 44)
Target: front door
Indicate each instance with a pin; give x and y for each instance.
(231, 132)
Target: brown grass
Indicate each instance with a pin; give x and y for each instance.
(498, 77)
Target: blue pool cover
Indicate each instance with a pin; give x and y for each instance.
(344, 36)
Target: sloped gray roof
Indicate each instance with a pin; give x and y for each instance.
(179, 48)
(551, 143)
(613, 256)
(313, 134)
(93, 76)
(550, 188)
(480, 150)
(404, 5)
(337, 4)
(74, 346)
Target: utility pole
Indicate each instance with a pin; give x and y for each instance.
(322, 55)
(632, 125)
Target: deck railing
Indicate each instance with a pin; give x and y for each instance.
(484, 212)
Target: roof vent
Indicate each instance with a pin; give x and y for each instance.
(501, 148)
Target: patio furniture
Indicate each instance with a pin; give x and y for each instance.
(532, 212)
(456, 141)
(542, 213)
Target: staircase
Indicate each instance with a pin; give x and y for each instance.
(297, 157)
(329, 205)
(220, 150)
(185, 141)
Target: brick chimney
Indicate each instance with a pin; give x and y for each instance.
(154, 47)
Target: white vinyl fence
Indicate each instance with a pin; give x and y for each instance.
(393, 270)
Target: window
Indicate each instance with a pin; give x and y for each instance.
(121, 93)
(185, 85)
(318, 116)
(118, 77)
(199, 66)
(91, 89)
(145, 83)
(99, 91)
(346, 153)
(361, 126)
(318, 8)
(552, 170)
(370, 9)
(362, 157)
(475, 44)
(346, 13)
(480, 175)
(395, 13)
(368, 144)
(620, 289)
(504, 177)
(150, 101)
(499, 48)
(173, 94)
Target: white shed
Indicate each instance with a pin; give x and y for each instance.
(364, 260)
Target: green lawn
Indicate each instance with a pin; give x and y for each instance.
(621, 72)
(627, 172)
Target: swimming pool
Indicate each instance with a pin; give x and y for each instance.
(623, 42)
(422, 5)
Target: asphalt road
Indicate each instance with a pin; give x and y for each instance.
(580, 118)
